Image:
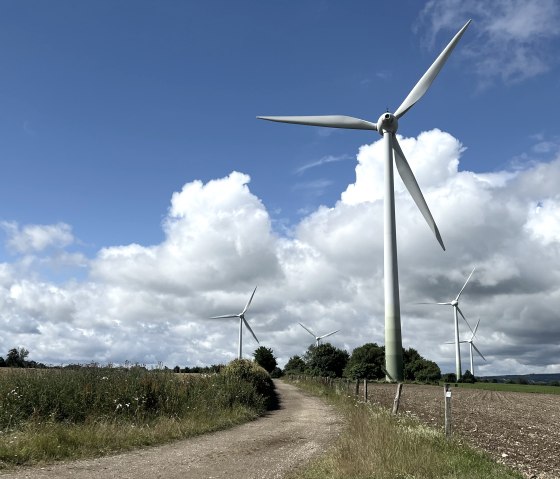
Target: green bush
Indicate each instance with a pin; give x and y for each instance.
(252, 373)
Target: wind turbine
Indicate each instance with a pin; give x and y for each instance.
(387, 126)
(318, 338)
(455, 304)
(471, 346)
(242, 321)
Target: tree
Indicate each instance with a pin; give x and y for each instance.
(295, 365)
(16, 358)
(417, 368)
(264, 357)
(325, 360)
(468, 377)
(449, 378)
(366, 362)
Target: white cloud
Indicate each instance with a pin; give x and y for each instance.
(322, 161)
(513, 36)
(149, 303)
(36, 238)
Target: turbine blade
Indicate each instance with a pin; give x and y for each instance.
(475, 328)
(225, 316)
(249, 302)
(463, 316)
(424, 83)
(457, 298)
(476, 349)
(329, 334)
(412, 186)
(434, 303)
(249, 328)
(308, 330)
(330, 121)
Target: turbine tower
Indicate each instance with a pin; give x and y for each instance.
(387, 126)
(242, 321)
(318, 338)
(455, 304)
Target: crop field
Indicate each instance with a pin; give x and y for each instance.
(517, 429)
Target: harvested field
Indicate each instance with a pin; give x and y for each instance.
(517, 429)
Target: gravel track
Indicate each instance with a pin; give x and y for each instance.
(266, 448)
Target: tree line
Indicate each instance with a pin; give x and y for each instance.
(365, 362)
(325, 360)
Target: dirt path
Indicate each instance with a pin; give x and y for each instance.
(266, 448)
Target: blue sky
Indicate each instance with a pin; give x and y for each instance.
(111, 107)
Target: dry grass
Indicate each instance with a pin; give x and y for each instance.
(377, 445)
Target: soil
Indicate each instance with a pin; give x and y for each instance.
(269, 447)
(518, 429)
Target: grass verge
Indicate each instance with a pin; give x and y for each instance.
(377, 445)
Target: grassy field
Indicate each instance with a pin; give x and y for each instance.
(377, 445)
(48, 415)
(518, 388)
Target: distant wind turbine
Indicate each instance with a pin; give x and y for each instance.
(455, 304)
(242, 321)
(471, 346)
(318, 338)
(387, 126)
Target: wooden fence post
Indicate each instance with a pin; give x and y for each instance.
(357, 390)
(447, 392)
(365, 390)
(397, 399)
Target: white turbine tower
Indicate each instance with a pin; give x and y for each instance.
(242, 321)
(318, 338)
(387, 126)
(471, 346)
(455, 304)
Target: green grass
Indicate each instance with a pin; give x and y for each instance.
(377, 445)
(518, 388)
(49, 415)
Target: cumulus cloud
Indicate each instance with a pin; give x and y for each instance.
(150, 303)
(36, 238)
(512, 35)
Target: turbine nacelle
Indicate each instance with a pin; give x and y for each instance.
(454, 302)
(387, 122)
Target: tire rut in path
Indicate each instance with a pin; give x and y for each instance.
(266, 448)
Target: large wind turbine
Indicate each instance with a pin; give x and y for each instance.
(387, 126)
(318, 338)
(472, 345)
(455, 304)
(242, 321)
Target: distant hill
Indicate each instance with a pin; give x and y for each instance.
(530, 378)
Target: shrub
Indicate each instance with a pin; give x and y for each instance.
(252, 373)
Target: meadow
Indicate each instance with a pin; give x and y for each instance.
(48, 415)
